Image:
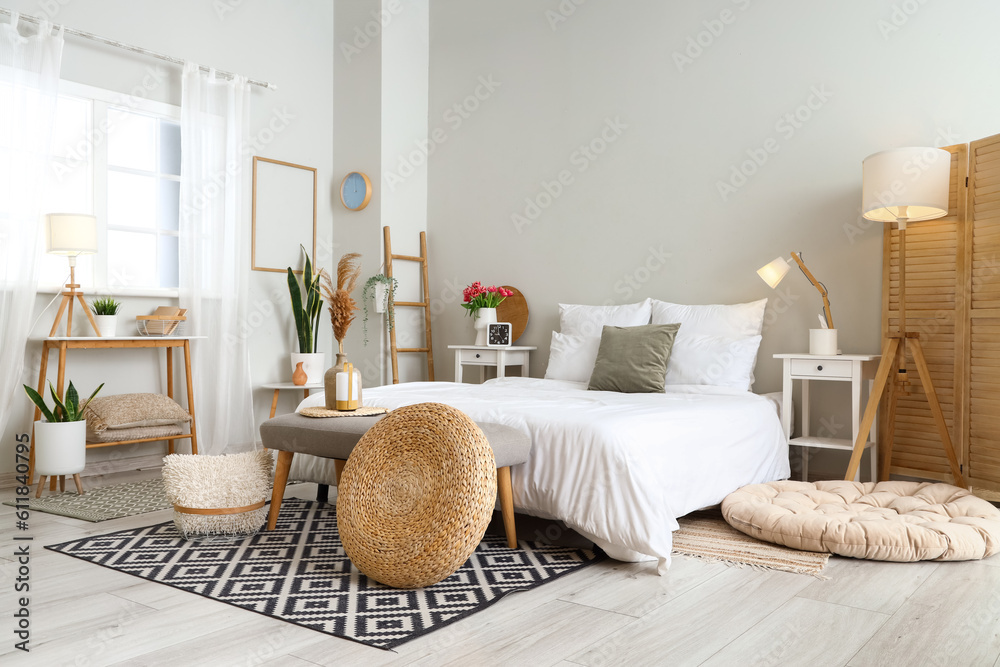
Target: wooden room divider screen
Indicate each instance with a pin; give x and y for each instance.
(953, 300)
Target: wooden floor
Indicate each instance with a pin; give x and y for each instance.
(609, 614)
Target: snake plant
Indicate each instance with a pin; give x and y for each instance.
(306, 314)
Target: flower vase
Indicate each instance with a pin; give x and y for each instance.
(484, 318)
(330, 381)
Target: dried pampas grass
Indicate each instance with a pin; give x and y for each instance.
(342, 306)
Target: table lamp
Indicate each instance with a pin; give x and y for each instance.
(71, 234)
(903, 185)
(821, 341)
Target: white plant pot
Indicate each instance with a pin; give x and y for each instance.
(484, 318)
(313, 363)
(107, 325)
(60, 447)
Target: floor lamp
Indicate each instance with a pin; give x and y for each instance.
(71, 234)
(904, 185)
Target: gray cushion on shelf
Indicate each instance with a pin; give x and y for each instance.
(335, 437)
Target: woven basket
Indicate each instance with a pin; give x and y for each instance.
(416, 495)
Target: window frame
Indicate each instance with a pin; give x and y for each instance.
(101, 100)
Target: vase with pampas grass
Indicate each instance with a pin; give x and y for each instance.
(342, 308)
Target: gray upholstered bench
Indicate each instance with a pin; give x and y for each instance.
(335, 438)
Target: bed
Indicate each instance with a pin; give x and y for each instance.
(619, 468)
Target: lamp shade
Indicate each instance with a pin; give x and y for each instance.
(908, 183)
(70, 234)
(773, 272)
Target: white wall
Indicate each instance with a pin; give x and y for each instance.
(646, 217)
(285, 43)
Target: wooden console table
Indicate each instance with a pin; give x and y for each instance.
(168, 343)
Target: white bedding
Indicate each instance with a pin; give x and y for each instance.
(618, 468)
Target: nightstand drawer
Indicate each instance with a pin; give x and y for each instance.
(836, 368)
(485, 357)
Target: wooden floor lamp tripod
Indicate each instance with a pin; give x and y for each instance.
(904, 185)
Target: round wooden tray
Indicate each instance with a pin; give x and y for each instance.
(514, 309)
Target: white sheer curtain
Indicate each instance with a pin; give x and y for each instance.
(214, 264)
(29, 88)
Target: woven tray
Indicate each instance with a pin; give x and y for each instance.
(360, 412)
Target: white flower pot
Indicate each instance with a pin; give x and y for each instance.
(484, 318)
(107, 325)
(60, 447)
(313, 363)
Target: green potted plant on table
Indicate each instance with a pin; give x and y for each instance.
(61, 439)
(106, 314)
(307, 304)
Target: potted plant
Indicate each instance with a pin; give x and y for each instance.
(380, 289)
(481, 303)
(307, 304)
(61, 440)
(106, 314)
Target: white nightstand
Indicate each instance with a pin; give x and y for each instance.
(497, 357)
(853, 368)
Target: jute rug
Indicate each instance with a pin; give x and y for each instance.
(707, 536)
(299, 573)
(109, 502)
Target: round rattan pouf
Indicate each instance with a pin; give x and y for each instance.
(416, 495)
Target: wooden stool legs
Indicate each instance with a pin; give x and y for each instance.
(285, 464)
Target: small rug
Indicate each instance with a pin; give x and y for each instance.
(706, 535)
(108, 502)
(299, 573)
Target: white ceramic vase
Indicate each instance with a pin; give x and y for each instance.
(484, 318)
(107, 325)
(313, 363)
(60, 447)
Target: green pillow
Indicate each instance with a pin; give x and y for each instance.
(633, 360)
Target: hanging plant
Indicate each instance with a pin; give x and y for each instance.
(368, 294)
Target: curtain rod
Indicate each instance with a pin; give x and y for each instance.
(136, 49)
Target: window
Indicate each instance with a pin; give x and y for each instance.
(119, 159)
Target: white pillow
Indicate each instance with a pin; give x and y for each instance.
(735, 321)
(572, 357)
(721, 361)
(591, 320)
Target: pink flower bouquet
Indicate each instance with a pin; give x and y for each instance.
(476, 296)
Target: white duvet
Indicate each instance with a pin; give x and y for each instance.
(618, 468)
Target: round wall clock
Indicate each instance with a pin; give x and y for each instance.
(356, 191)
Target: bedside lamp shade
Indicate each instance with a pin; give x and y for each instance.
(70, 234)
(774, 272)
(906, 183)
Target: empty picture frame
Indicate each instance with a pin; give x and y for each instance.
(284, 214)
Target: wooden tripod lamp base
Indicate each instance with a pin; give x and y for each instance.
(71, 234)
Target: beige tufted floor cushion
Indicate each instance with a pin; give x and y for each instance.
(893, 521)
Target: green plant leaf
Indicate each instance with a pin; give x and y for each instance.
(87, 402)
(59, 411)
(296, 297)
(72, 403)
(39, 403)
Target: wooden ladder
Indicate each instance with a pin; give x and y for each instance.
(425, 304)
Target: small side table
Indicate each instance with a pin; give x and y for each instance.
(497, 357)
(278, 386)
(853, 368)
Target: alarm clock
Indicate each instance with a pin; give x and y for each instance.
(355, 191)
(498, 334)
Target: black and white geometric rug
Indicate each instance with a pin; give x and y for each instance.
(299, 573)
